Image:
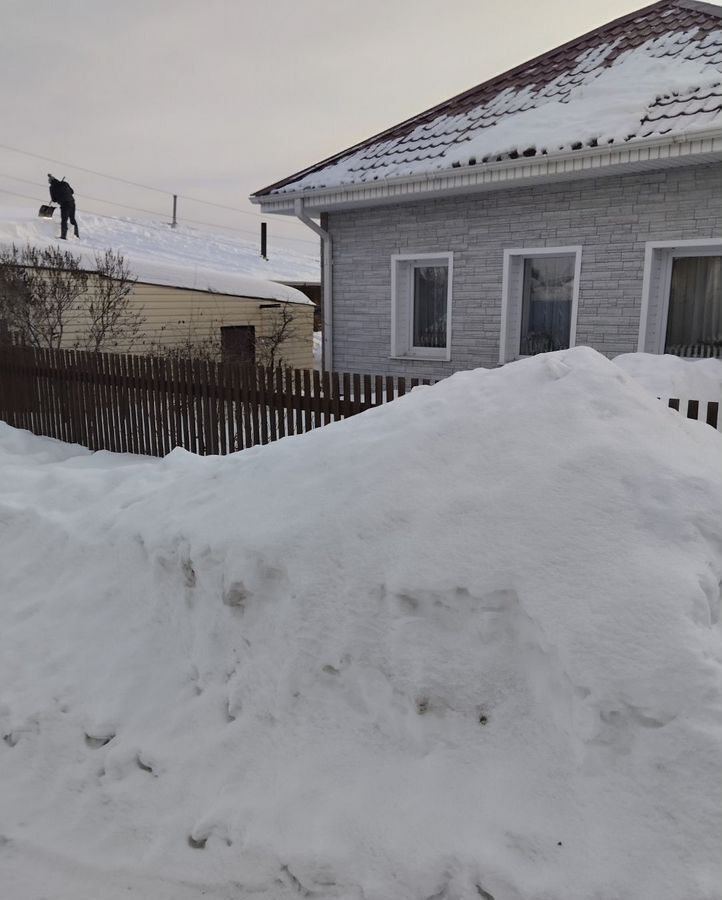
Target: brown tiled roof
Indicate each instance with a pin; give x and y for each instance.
(668, 31)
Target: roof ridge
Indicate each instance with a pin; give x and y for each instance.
(437, 109)
(698, 6)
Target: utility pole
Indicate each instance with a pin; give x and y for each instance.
(175, 208)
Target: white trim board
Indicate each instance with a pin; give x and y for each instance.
(510, 256)
(402, 320)
(651, 154)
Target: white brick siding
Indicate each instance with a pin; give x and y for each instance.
(611, 218)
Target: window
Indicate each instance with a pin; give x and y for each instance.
(421, 306)
(694, 315)
(539, 301)
(546, 312)
(682, 299)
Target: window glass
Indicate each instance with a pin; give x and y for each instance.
(546, 304)
(430, 295)
(694, 319)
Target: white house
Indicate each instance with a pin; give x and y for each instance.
(574, 199)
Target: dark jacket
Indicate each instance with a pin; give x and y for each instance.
(60, 191)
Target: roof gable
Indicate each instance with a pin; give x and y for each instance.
(654, 72)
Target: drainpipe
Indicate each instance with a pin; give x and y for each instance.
(326, 285)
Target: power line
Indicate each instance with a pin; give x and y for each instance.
(145, 187)
(82, 169)
(149, 224)
(152, 212)
(147, 211)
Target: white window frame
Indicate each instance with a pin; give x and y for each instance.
(402, 321)
(656, 284)
(515, 257)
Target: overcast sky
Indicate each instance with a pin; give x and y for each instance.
(217, 98)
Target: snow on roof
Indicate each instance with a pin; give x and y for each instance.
(654, 73)
(464, 645)
(184, 257)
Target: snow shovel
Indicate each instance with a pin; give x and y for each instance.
(46, 212)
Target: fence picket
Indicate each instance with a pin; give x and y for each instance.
(335, 397)
(175, 381)
(326, 393)
(56, 412)
(133, 404)
(389, 388)
(271, 404)
(109, 405)
(230, 404)
(307, 416)
(108, 367)
(713, 414)
(246, 401)
(92, 407)
(367, 402)
(280, 402)
(316, 399)
(121, 392)
(346, 408)
(298, 400)
(288, 387)
(76, 402)
(43, 404)
(217, 423)
(234, 377)
(356, 407)
(190, 406)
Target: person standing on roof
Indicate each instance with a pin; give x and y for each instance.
(62, 194)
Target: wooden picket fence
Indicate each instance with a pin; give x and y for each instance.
(692, 409)
(141, 404)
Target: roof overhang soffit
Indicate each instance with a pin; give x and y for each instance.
(640, 155)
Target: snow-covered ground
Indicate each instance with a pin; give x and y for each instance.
(157, 254)
(465, 645)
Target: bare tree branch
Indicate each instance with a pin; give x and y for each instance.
(45, 293)
(269, 347)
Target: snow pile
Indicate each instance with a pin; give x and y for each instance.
(671, 376)
(184, 257)
(466, 645)
(594, 103)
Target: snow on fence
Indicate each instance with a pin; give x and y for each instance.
(699, 410)
(141, 404)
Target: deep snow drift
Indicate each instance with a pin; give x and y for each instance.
(466, 645)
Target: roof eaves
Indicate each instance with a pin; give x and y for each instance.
(494, 173)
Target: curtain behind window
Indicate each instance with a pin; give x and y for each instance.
(430, 294)
(694, 320)
(546, 304)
